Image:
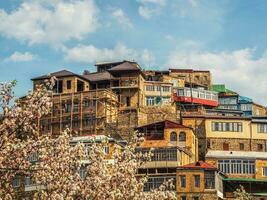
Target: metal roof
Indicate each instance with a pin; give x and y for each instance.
(98, 76)
(236, 154)
(125, 66)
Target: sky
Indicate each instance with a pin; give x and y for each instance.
(227, 37)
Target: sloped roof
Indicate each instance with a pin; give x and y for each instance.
(166, 124)
(98, 76)
(58, 74)
(198, 165)
(125, 66)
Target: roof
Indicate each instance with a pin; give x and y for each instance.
(236, 154)
(198, 165)
(125, 66)
(207, 116)
(112, 62)
(221, 89)
(243, 99)
(188, 70)
(98, 76)
(259, 119)
(165, 123)
(58, 74)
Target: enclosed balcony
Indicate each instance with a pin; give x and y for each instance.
(196, 96)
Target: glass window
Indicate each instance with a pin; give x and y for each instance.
(68, 84)
(264, 171)
(209, 179)
(165, 88)
(150, 101)
(183, 181)
(173, 137)
(259, 147)
(182, 137)
(150, 88)
(16, 181)
(197, 180)
(241, 146)
(237, 166)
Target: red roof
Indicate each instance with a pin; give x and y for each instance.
(198, 165)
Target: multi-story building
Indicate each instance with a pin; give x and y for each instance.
(171, 145)
(248, 169)
(230, 100)
(199, 181)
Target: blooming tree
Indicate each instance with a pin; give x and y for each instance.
(63, 170)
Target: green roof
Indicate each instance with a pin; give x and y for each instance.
(221, 88)
(245, 179)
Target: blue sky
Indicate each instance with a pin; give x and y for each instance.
(226, 37)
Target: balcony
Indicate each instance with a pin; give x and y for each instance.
(125, 82)
(197, 96)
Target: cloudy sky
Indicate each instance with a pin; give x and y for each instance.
(225, 36)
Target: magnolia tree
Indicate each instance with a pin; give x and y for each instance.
(63, 170)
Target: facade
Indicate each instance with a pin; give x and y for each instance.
(241, 168)
(171, 145)
(199, 181)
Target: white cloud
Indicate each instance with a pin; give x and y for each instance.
(92, 54)
(120, 16)
(52, 22)
(147, 12)
(239, 69)
(158, 2)
(149, 8)
(20, 57)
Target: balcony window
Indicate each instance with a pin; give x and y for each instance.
(209, 179)
(165, 88)
(156, 182)
(150, 88)
(237, 166)
(262, 128)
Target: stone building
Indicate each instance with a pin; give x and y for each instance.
(199, 181)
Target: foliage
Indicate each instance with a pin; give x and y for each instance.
(56, 173)
(241, 194)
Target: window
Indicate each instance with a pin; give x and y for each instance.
(106, 150)
(86, 103)
(165, 88)
(158, 88)
(75, 121)
(227, 126)
(195, 198)
(182, 137)
(183, 181)
(16, 181)
(68, 84)
(163, 154)
(150, 88)
(75, 105)
(241, 146)
(264, 171)
(226, 146)
(68, 106)
(209, 179)
(183, 197)
(28, 181)
(262, 128)
(237, 166)
(259, 147)
(150, 101)
(128, 101)
(173, 137)
(197, 180)
(33, 157)
(156, 182)
(82, 172)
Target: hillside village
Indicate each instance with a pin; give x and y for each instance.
(207, 138)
